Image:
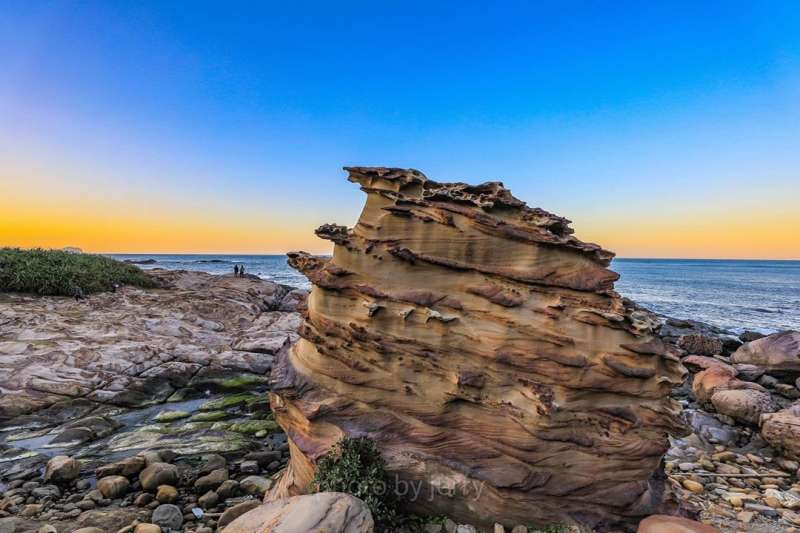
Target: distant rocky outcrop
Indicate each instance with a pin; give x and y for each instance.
(483, 347)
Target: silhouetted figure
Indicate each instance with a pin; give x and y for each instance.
(241, 271)
(236, 270)
(77, 292)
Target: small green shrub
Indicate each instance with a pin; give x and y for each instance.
(555, 528)
(355, 466)
(58, 273)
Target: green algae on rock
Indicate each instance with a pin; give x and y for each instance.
(169, 416)
(251, 427)
(209, 416)
(234, 400)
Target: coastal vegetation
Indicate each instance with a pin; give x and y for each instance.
(355, 466)
(62, 273)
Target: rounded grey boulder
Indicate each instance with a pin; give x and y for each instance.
(168, 516)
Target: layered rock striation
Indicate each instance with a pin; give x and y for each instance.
(483, 347)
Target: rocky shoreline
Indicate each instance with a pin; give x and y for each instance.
(738, 469)
(146, 410)
(118, 381)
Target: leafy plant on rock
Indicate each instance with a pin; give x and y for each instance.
(355, 466)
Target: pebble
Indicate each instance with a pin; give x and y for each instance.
(112, 487)
(211, 481)
(147, 528)
(249, 467)
(693, 486)
(31, 510)
(228, 489)
(255, 485)
(143, 499)
(763, 509)
(208, 500)
(212, 462)
(156, 474)
(85, 505)
(166, 494)
(724, 456)
(723, 468)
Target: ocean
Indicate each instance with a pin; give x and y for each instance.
(736, 295)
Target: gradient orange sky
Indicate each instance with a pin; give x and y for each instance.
(155, 128)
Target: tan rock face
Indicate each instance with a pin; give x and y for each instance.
(483, 347)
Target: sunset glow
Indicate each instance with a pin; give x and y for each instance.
(160, 127)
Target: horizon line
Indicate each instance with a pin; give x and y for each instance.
(265, 254)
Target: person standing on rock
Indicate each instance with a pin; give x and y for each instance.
(241, 271)
(236, 270)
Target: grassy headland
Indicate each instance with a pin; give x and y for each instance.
(59, 273)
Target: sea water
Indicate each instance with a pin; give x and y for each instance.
(736, 295)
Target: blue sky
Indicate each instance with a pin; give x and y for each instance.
(642, 123)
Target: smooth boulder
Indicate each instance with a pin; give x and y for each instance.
(112, 487)
(718, 378)
(147, 528)
(211, 481)
(255, 485)
(332, 512)
(744, 405)
(673, 524)
(782, 430)
(778, 353)
(235, 511)
(168, 516)
(61, 469)
(158, 474)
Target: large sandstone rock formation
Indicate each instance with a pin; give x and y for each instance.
(483, 347)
